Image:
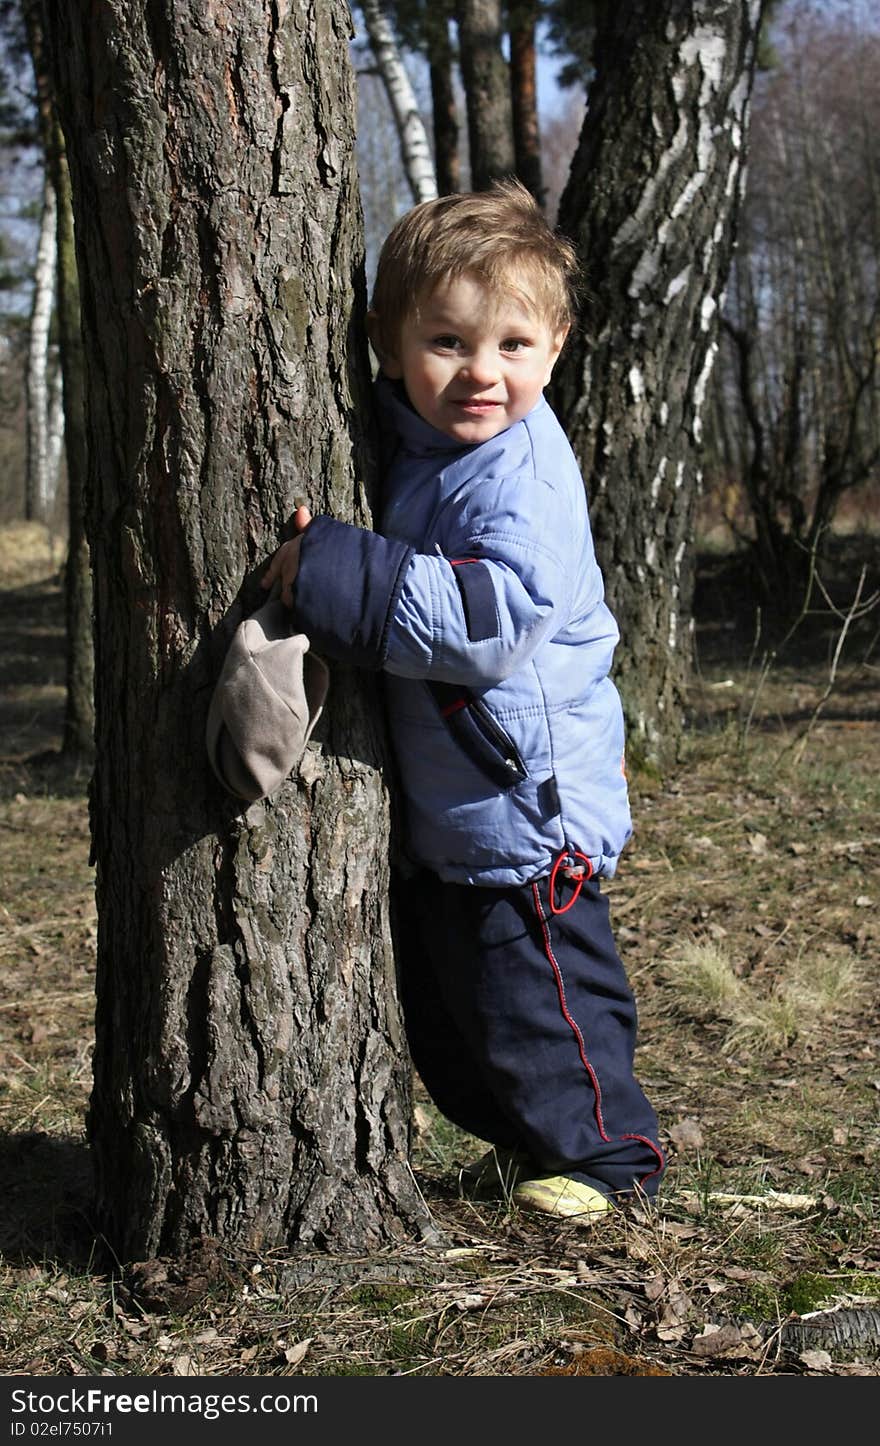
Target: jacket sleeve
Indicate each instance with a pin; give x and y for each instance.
(517, 559)
(476, 617)
(346, 590)
(470, 615)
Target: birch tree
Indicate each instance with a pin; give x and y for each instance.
(43, 383)
(423, 27)
(40, 482)
(652, 202)
(414, 144)
(79, 700)
(65, 421)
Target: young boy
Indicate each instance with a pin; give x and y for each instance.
(480, 599)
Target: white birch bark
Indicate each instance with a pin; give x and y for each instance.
(652, 203)
(39, 485)
(54, 424)
(415, 148)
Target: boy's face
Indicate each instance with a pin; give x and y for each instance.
(473, 361)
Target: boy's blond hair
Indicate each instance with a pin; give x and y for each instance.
(500, 236)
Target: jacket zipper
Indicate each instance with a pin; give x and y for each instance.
(496, 735)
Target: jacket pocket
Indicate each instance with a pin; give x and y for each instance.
(479, 735)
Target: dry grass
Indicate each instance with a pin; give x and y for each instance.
(746, 910)
(29, 552)
(809, 994)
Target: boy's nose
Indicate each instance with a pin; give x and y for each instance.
(481, 367)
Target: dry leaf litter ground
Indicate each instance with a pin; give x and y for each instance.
(746, 908)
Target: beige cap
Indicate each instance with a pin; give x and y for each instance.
(266, 702)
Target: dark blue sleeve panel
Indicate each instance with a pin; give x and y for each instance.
(346, 590)
(478, 597)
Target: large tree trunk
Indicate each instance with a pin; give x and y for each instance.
(652, 201)
(484, 72)
(250, 1077)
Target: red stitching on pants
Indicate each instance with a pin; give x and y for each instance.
(572, 1024)
(560, 989)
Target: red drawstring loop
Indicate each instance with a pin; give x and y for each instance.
(580, 878)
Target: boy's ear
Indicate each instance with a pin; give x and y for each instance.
(387, 362)
(558, 344)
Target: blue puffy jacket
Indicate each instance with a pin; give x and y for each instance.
(481, 600)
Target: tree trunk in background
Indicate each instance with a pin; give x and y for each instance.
(486, 80)
(441, 61)
(250, 1079)
(445, 128)
(66, 425)
(39, 486)
(524, 95)
(651, 202)
(415, 149)
(796, 392)
(79, 709)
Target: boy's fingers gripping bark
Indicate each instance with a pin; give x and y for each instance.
(283, 568)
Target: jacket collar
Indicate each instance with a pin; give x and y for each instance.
(413, 433)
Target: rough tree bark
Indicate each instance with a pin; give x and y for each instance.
(484, 72)
(250, 1081)
(652, 201)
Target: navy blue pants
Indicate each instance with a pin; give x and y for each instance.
(522, 1026)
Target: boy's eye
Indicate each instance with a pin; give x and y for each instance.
(446, 343)
(514, 344)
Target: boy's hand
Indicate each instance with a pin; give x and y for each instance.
(285, 563)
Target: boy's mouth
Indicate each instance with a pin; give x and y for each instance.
(477, 407)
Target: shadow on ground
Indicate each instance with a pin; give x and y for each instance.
(737, 622)
(32, 694)
(47, 1200)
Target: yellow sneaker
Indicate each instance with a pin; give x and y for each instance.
(494, 1175)
(560, 1195)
